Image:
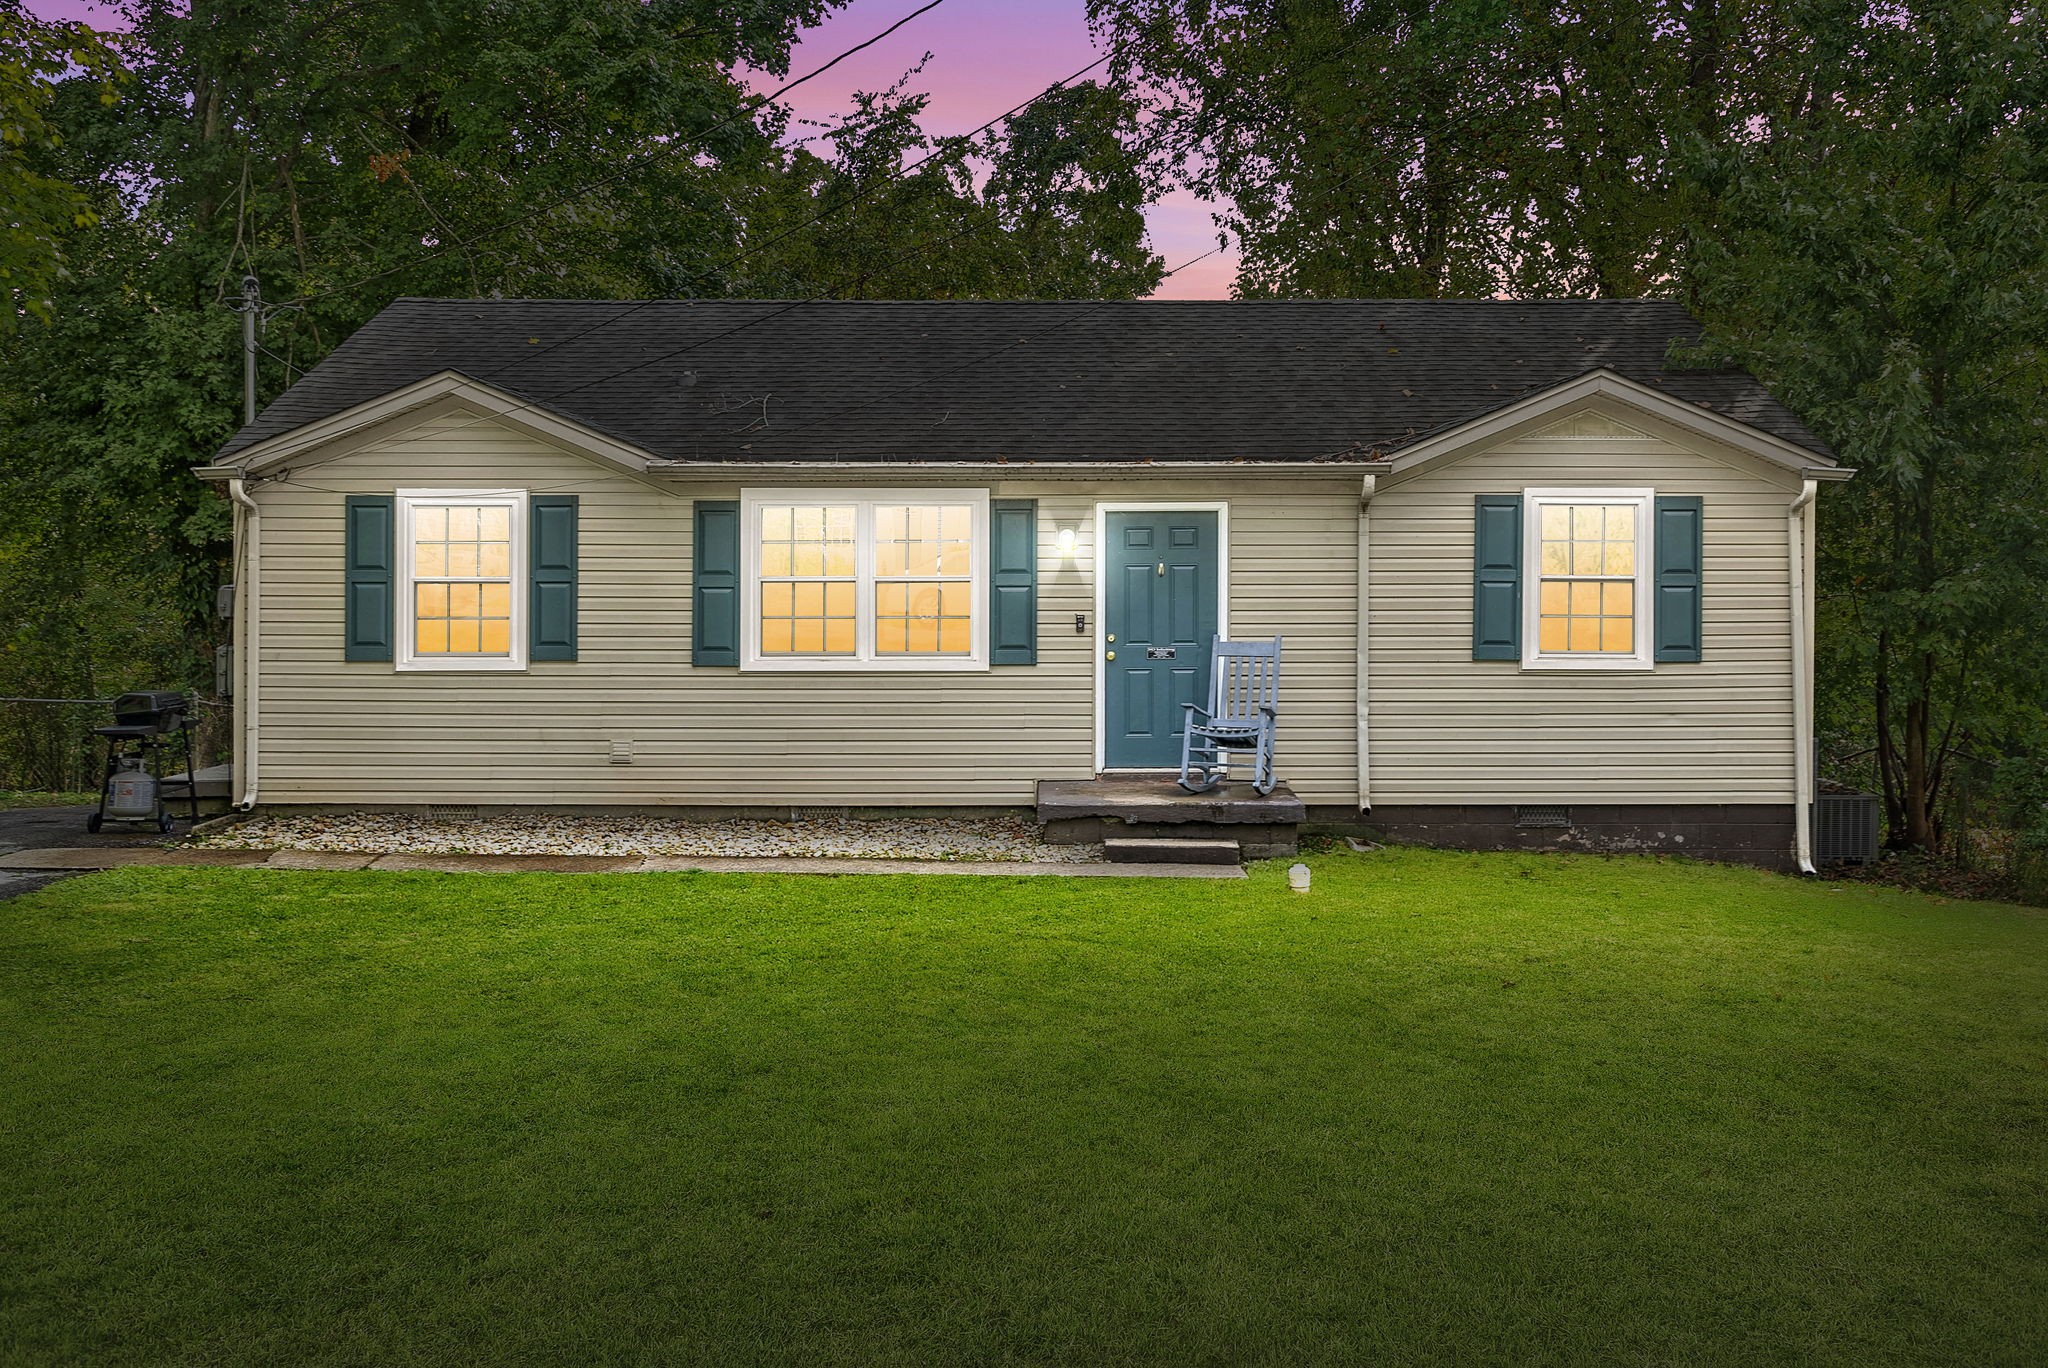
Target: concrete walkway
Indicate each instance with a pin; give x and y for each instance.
(77, 859)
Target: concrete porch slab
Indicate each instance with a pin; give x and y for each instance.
(1158, 798)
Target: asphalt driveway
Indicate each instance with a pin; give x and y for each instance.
(48, 827)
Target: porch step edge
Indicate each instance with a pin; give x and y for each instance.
(1171, 850)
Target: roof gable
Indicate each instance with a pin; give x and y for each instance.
(1537, 413)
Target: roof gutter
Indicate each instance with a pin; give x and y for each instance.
(1007, 469)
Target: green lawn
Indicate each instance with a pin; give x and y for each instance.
(1444, 1109)
(37, 798)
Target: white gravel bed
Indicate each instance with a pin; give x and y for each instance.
(998, 838)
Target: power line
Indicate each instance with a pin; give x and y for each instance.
(628, 168)
(859, 195)
(555, 396)
(915, 252)
(1356, 172)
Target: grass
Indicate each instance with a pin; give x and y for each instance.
(1443, 1109)
(40, 798)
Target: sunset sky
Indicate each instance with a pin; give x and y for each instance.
(987, 55)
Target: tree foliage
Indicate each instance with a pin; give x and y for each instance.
(1469, 147)
(36, 207)
(346, 152)
(1048, 205)
(1883, 259)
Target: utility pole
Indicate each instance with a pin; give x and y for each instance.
(251, 310)
(255, 314)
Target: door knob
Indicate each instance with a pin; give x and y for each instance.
(1110, 656)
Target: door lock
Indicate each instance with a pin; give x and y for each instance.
(1112, 636)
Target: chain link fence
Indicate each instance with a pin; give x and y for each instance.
(47, 744)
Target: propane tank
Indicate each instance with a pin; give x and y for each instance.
(132, 791)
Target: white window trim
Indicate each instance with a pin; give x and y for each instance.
(864, 660)
(405, 658)
(1533, 658)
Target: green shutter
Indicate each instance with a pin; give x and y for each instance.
(1497, 577)
(1678, 527)
(1013, 582)
(370, 535)
(551, 569)
(715, 599)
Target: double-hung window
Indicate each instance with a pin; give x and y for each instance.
(865, 579)
(1586, 601)
(461, 591)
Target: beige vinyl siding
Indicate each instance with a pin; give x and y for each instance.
(340, 732)
(1449, 729)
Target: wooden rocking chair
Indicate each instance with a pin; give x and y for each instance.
(1244, 696)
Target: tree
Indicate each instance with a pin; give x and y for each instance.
(348, 151)
(1462, 148)
(36, 208)
(1882, 259)
(1048, 205)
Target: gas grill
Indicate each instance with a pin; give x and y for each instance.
(148, 727)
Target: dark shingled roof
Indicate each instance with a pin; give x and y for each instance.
(950, 381)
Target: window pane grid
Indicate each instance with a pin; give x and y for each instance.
(923, 573)
(1586, 586)
(462, 580)
(860, 580)
(808, 577)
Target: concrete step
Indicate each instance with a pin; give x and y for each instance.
(1170, 850)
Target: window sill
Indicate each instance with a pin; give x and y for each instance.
(461, 667)
(864, 667)
(1631, 665)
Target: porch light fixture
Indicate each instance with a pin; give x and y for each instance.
(1065, 541)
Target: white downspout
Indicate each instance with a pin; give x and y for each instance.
(1365, 494)
(247, 598)
(1799, 543)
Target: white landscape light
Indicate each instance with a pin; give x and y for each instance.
(1065, 541)
(1297, 878)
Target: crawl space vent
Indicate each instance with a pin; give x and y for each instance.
(451, 812)
(819, 814)
(1543, 816)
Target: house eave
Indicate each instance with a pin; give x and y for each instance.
(488, 401)
(1616, 388)
(1009, 470)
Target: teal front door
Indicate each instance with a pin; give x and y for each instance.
(1159, 614)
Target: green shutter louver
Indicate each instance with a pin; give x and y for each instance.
(1680, 523)
(370, 539)
(715, 584)
(1013, 582)
(1497, 577)
(551, 571)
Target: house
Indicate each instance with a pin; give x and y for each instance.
(1536, 584)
